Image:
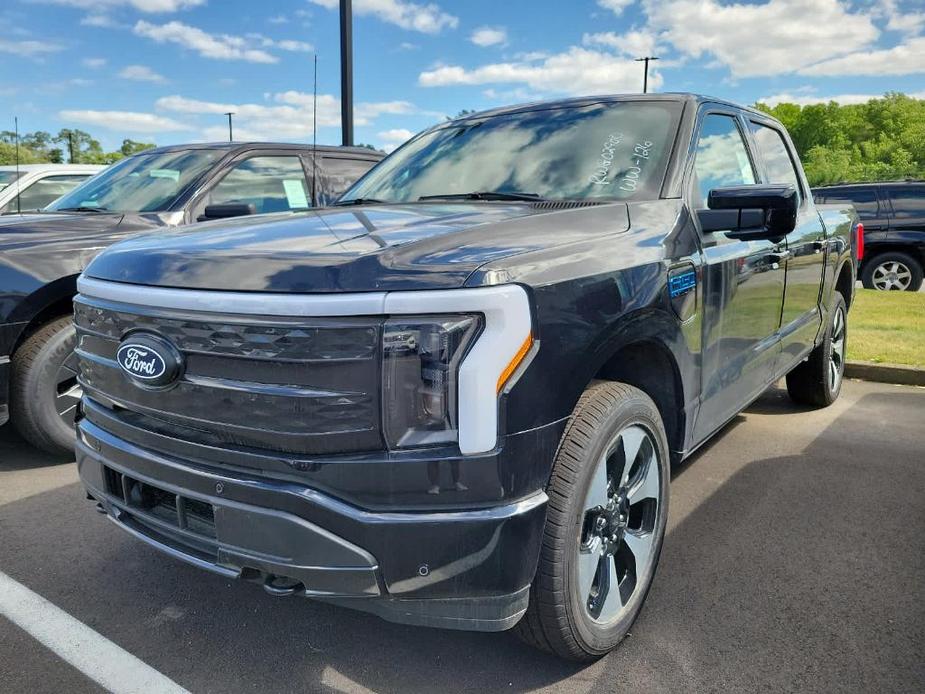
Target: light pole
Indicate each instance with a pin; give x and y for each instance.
(346, 71)
(645, 78)
(230, 137)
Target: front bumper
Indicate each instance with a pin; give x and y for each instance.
(463, 569)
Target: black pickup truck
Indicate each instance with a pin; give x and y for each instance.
(41, 255)
(453, 399)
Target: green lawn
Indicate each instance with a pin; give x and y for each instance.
(887, 327)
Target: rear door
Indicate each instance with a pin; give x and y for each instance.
(873, 209)
(908, 219)
(804, 260)
(743, 282)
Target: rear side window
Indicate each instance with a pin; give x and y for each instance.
(864, 200)
(43, 192)
(721, 159)
(776, 157)
(908, 201)
(339, 174)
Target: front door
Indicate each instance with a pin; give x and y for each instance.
(805, 256)
(743, 285)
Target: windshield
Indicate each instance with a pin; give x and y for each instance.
(615, 150)
(7, 177)
(142, 183)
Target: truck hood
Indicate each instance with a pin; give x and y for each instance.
(353, 249)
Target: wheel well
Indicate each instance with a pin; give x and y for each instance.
(845, 283)
(60, 307)
(873, 252)
(649, 366)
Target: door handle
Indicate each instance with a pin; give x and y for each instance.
(820, 245)
(779, 257)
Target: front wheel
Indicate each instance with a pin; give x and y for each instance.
(817, 381)
(607, 511)
(44, 392)
(892, 271)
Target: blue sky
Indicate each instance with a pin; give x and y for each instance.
(166, 70)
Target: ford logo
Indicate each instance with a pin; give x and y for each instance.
(149, 359)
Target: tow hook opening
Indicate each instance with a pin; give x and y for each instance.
(282, 586)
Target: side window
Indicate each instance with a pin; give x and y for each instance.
(721, 158)
(339, 174)
(908, 201)
(271, 184)
(864, 201)
(43, 192)
(777, 161)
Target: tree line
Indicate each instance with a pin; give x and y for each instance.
(69, 145)
(881, 140)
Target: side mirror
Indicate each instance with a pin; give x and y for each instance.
(751, 212)
(227, 209)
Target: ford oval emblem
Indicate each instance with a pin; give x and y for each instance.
(149, 359)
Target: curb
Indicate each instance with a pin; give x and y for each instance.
(886, 373)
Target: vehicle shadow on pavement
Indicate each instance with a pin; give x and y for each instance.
(16, 454)
(800, 572)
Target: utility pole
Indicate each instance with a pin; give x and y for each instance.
(230, 136)
(346, 71)
(645, 78)
(70, 146)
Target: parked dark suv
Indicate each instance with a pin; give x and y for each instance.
(893, 215)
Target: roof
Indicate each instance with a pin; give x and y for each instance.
(244, 146)
(683, 97)
(57, 168)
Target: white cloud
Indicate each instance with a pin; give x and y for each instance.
(149, 6)
(93, 63)
(615, 6)
(634, 43)
(905, 59)
(278, 19)
(391, 139)
(124, 121)
(778, 36)
(29, 49)
(428, 19)
(100, 21)
(489, 36)
(140, 73)
(575, 71)
(287, 116)
(216, 46)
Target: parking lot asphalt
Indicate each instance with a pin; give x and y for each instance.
(794, 561)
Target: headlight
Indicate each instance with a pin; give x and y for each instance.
(420, 368)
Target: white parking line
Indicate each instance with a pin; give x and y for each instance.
(94, 655)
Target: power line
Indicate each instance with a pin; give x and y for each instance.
(645, 78)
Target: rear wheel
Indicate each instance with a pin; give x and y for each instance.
(817, 381)
(892, 271)
(44, 393)
(608, 506)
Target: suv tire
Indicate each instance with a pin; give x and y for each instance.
(892, 271)
(44, 393)
(605, 524)
(817, 381)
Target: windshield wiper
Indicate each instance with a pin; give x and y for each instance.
(484, 195)
(81, 209)
(358, 201)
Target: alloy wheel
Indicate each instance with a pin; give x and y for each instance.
(618, 538)
(837, 355)
(67, 389)
(892, 275)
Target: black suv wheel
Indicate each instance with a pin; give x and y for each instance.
(892, 271)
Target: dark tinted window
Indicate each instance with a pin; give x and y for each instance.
(863, 199)
(908, 201)
(43, 192)
(776, 158)
(722, 159)
(339, 174)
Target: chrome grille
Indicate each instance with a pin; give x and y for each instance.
(293, 385)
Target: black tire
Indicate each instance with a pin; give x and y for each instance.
(817, 381)
(878, 272)
(557, 618)
(34, 390)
